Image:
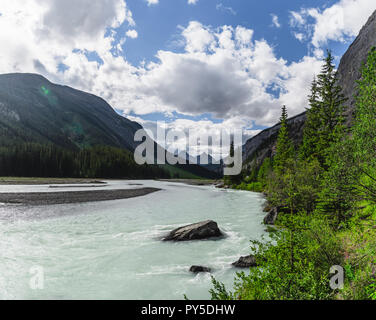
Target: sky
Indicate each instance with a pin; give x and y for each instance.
(202, 65)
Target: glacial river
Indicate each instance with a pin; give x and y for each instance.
(112, 249)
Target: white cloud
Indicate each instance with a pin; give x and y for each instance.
(199, 128)
(296, 87)
(50, 30)
(339, 22)
(198, 38)
(275, 21)
(223, 71)
(299, 36)
(151, 2)
(223, 8)
(243, 35)
(296, 19)
(132, 34)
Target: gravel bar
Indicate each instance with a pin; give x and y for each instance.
(51, 198)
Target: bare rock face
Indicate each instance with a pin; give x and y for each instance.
(198, 231)
(261, 143)
(245, 262)
(349, 70)
(198, 269)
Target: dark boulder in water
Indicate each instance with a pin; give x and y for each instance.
(198, 269)
(246, 262)
(198, 231)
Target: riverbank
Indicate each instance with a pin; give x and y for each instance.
(53, 198)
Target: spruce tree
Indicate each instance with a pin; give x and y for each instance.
(312, 125)
(324, 124)
(351, 176)
(284, 148)
(364, 130)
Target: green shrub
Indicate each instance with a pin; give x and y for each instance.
(293, 265)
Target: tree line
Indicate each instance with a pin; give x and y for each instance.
(37, 160)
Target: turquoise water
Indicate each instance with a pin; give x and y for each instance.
(112, 250)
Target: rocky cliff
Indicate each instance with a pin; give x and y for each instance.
(263, 145)
(351, 62)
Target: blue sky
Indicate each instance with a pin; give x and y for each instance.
(159, 27)
(206, 66)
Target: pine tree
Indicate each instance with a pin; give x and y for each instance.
(284, 149)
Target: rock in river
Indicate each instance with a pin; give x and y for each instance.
(271, 217)
(198, 231)
(198, 269)
(245, 262)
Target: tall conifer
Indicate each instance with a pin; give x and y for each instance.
(324, 124)
(284, 149)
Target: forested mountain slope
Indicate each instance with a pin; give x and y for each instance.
(32, 109)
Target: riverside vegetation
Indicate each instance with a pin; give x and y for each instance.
(325, 190)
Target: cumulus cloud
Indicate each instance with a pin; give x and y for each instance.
(224, 71)
(197, 37)
(132, 34)
(197, 128)
(192, 1)
(339, 22)
(50, 30)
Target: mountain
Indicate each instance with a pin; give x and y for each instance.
(32, 109)
(35, 110)
(256, 149)
(207, 162)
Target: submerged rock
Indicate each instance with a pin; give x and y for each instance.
(245, 262)
(198, 269)
(198, 231)
(271, 217)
